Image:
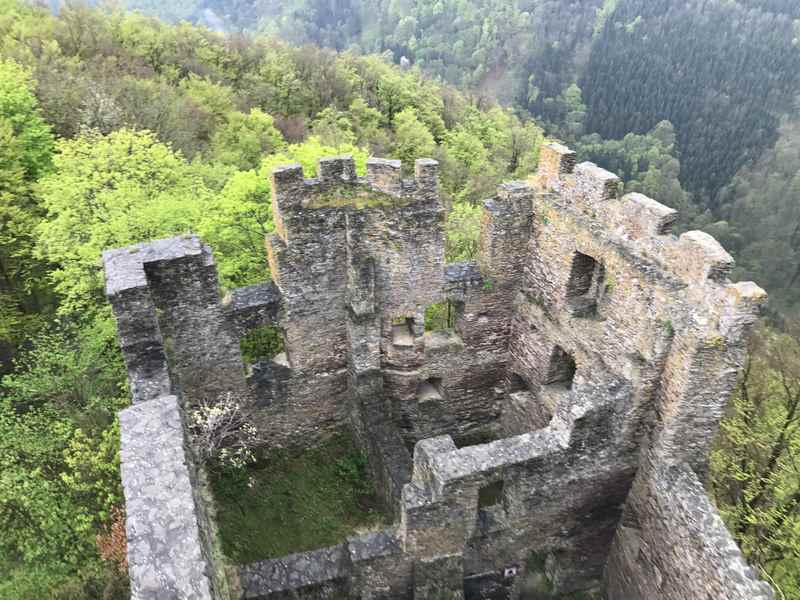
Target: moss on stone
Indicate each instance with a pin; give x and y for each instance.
(357, 196)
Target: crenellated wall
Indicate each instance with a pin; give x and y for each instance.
(560, 428)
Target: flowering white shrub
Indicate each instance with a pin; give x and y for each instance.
(223, 435)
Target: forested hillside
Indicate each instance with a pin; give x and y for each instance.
(116, 129)
(725, 75)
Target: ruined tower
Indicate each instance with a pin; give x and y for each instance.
(561, 423)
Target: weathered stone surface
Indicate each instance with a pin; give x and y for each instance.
(165, 298)
(168, 556)
(565, 414)
(316, 574)
(674, 545)
(254, 306)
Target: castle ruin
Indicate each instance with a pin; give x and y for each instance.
(592, 347)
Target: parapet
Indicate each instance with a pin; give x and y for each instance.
(685, 549)
(641, 224)
(168, 550)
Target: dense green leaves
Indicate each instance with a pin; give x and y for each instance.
(722, 86)
(755, 474)
(111, 191)
(59, 459)
(26, 146)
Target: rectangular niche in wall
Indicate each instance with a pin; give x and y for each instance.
(585, 285)
(429, 410)
(430, 390)
(517, 384)
(490, 495)
(561, 370)
(403, 332)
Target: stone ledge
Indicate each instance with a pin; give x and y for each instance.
(164, 539)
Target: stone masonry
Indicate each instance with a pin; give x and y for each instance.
(551, 443)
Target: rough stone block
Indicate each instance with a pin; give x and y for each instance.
(555, 161)
(594, 184)
(440, 578)
(336, 169)
(385, 175)
(643, 216)
(311, 574)
(698, 257)
(426, 175)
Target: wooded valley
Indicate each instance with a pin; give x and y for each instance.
(117, 127)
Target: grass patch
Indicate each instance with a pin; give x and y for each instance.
(296, 503)
(358, 196)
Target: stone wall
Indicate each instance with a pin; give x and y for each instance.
(595, 349)
(672, 544)
(170, 536)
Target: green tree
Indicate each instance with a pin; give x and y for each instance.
(19, 107)
(412, 138)
(333, 127)
(26, 146)
(244, 139)
(59, 470)
(755, 474)
(106, 192)
(463, 230)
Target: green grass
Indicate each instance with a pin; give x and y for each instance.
(358, 196)
(296, 503)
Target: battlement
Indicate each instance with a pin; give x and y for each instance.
(337, 188)
(561, 417)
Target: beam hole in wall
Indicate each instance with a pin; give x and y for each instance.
(516, 383)
(585, 285)
(263, 343)
(561, 370)
(403, 331)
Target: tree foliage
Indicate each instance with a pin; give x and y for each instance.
(106, 192)
(755, 468)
